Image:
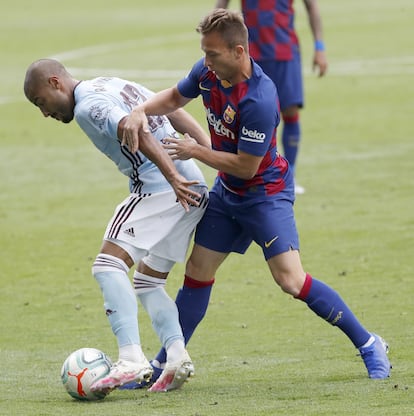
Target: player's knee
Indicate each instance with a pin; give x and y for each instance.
(156, 266)
(144, 283)
(203, 263)
(197, 272)
(290, 114)
(290, 283)
(107, 263)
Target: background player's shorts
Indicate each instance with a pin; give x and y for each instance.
(287, 75)
(156, 223)
(231, 222)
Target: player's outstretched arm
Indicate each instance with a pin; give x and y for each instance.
(155, 152)
(241, 164)
(162, 103)
(153, 149)
(184, 123)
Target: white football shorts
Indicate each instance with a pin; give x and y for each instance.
(156, 223)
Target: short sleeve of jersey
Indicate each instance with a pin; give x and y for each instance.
(101, 116)
(189, 86)
(259, 117)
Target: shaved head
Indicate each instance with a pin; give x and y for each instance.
(38, 74)
(49, 86)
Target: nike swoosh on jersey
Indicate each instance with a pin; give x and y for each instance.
(267, 244)
(203, 88)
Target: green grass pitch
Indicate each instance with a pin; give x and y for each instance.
(258, 352)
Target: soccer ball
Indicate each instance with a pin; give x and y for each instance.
(81, 369)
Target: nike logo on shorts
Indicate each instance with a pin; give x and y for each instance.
(267, 244)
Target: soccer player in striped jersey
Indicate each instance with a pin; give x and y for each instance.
(253, 195)
(274, 45)
(152, 227)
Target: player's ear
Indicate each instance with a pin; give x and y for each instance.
(54, 82)
(239, 51)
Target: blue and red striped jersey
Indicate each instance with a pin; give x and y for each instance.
(271, 29)
(242, 117)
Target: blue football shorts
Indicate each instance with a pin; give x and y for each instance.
(287, 75)
(231, 222)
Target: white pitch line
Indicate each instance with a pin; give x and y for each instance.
(352, 156)
(396, 65)
(150, 74)
(363, 67)
(117, 46)
(9, 100)
(359, 66)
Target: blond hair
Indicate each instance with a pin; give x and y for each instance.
(229, 24)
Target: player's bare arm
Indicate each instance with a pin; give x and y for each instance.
(315, 22)
(162, 103)
(242, 165)
(154, 151)
(184, 123)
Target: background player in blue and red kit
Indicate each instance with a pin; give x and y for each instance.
(253, 195)
(274, 45)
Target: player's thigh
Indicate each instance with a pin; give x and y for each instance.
(203, 263)
(142, 221)
(175, 244)
(113, 249)
(271, 223)
(219, 230)
(287, 271)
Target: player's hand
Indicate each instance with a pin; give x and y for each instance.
(320, 62)
(185, 196)
(179, 149)
(135, 122)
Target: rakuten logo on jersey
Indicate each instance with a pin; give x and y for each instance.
(218, 126)
(252, 135)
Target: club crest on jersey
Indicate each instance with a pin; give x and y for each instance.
(98, 114)
(229, 114)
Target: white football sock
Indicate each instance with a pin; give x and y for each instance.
(119, 298)
(175, 351)
(132, 352)
(160, 307)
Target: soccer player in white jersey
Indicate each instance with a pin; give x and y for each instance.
(152, 227)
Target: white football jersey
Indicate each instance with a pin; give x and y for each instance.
(100, 104)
